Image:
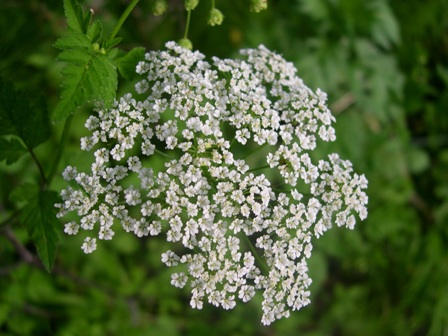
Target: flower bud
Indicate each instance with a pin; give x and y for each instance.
(191, 4)
(215, 17)
(185, 43)
(159, 7)
(258, 5)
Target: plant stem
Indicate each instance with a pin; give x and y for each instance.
(255, 253)
(60, 149)
(187, 25)
(163, 154)
(123, 18)
(39, 166)
(255, 150)
(258, 168)
(9, 220)
(26, 255)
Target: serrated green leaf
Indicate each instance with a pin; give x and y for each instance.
(385, 29)
(23, 193)
(114, 54)
(35, 123)
(20, 117)
(11, 150)
(88, 76)
(7, 102)
(109, 44)
(39, 219)
(73, 40)
(442, 71)
(74, 14)
(94, 31)
(126, 64)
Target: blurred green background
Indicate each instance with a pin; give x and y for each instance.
(384, 65)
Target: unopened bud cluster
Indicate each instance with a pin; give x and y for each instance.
(258, 5)
(234, 228)
(215, 16)
(159, 7)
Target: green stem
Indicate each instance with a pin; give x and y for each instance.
(163, 154)
(39, 166)
(123, 18)
(255, 253)
(258, 168)
(9, 220)
(213, 4)
(60, 149)
(255, 150)
(187, 25)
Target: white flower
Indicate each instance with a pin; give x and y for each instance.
(179, 279)
(69, 173)
(105, 233)
(196, 302)
(71, 228)
(134, 164)
(89, 245)
(246, 293)
(170, 258)
(132, 196)
(142, 227)
(207, 160)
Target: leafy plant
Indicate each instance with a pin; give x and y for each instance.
(382, 64)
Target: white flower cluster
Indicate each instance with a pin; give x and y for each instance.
(237, 229)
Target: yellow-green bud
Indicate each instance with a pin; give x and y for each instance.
(191, 4)
(185, 43)
(215, 17)
(96, 47)
(258, 5)
(159, 7)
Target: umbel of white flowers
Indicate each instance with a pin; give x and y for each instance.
(238, 229)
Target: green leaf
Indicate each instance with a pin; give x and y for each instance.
(418, 160)
(88, 76)
(73, 40)
(442, 71)
(75, 16)
(7, 104)
(317, 9)
(385, 29)
(109, 44)
(114, 54)
(126, 64)
(94, 31)
(20, 117)
(23, 193)
(11, 150)
(39, 219)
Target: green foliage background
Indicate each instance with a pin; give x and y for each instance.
(384, 65)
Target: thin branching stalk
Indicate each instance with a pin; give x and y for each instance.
(123, 18)
(60, 149)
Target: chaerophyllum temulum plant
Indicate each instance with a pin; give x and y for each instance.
(212, 155)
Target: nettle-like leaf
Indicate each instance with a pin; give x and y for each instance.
(89, 75)
(109, 44)
(77, 19)
(11, 150)
(126, 64)
(39, 219)
(23, 193)
(19, 117)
